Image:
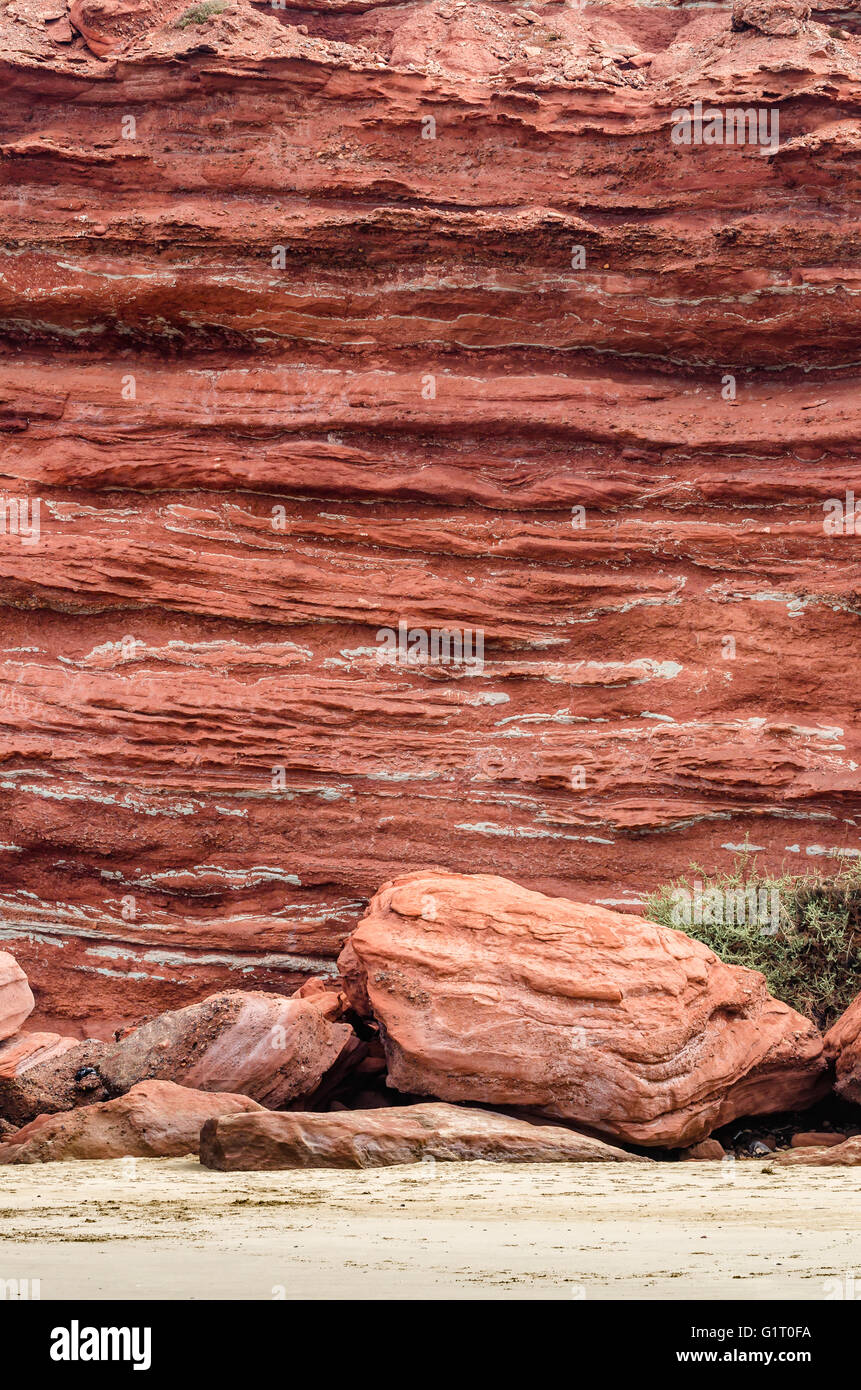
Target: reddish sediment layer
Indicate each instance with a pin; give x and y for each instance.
(323, 260)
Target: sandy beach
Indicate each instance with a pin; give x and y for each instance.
(166, 1228)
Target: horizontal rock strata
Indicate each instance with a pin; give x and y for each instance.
(296, 344)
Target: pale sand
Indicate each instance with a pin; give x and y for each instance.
(166, 1228)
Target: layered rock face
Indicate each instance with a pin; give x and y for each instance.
(319, 321)
(485, 991)
(375, 1139)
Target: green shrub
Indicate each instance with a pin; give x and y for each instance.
(810, 953)
(199, 14)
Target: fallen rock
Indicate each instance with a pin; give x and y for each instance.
(325, 995)
(843, 1050)
(54, 1084)
(485, 991)
(404, 1134)
(781, 18)
(16, 997)
(262, 1045)
(706, 1149)
(107, 25)
(816, 1139)
(248, 1043)
(156, 1119)
(208, 186)
(847, 1155)
(25, 1050)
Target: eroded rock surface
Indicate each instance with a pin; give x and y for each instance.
(16, 997)
(485, 991)
(25, 1050)
(324, 260)
(402, 1134)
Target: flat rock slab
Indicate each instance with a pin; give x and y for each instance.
(403, 1134)
(155, 1120)
(816, 1139)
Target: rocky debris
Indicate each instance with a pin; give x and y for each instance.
(829, 1116)
(816, 1139)
(107, 25)
(843, 1050)
(706, 1149)
(783, 18)
(155, 1119)
(245, 1042)
(16, 997)
(485, 991)
(406, 1134)
(58, 1083)
(751, 1143)
(847, 1154)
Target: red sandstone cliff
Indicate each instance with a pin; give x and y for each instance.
(429, 390)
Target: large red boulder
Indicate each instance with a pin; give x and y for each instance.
(402, 1134)
(816, 1139)
(485, 991)
(16, 997)
(266, 1046)
(843, 1050)
(156, 1119)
